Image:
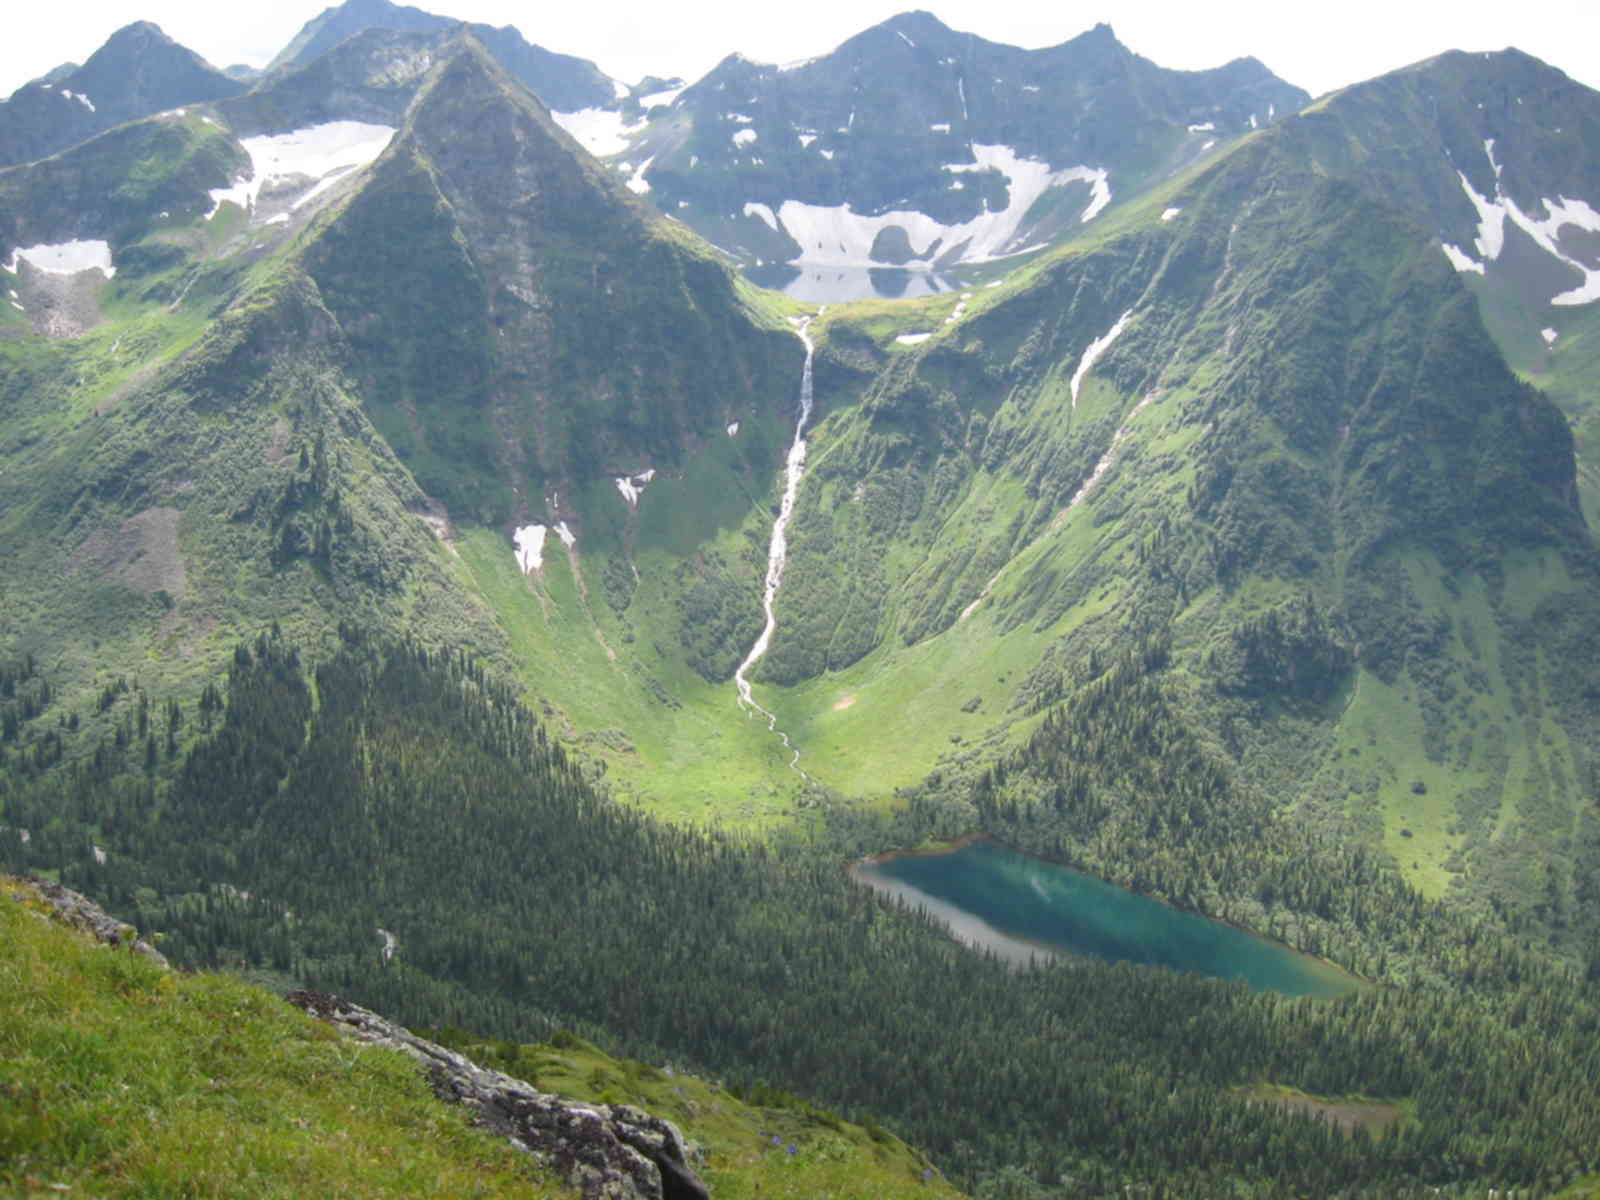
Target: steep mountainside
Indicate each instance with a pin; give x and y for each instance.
(137, 72)
(1268, 423)
(560, 80)
(245, 378)
(1498, 155)
(912, 144)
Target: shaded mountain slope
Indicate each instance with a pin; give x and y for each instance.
(139, 71)
(910, 117)
(1289, 400)
(1497, 154)
(560, 80)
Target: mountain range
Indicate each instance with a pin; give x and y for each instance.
(814, 442)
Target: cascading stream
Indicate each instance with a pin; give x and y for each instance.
(778, 551)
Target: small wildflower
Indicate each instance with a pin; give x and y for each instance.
(791, 1150)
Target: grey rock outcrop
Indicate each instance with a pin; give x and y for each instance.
(75, 909)
(607, 1151)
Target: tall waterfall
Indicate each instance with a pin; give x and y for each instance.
(778, 551)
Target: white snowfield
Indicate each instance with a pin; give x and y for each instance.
(1546, 232)
(529, 541)
(1092, 354)
(754, 209)
(839, 237)
(1549, 336)
(658, 98)
(636, 182)
(64, 258)
(568, 538)
(600, 131)
(1169, 213)
(744, 137)
(912, 339)
(632, 486)
(323, 154)
(79, 97)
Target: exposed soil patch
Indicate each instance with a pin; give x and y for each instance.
(1371, 1115)
(141, 554)
(844, 702)
(61, 306)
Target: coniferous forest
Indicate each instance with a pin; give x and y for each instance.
(307, 802)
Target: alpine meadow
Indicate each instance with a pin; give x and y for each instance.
(649, 585)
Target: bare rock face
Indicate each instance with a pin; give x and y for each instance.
(75, 909)
(607, 1151)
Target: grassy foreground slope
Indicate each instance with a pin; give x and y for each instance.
(120, 1077)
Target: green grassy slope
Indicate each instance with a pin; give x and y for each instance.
(759, 1142)
(124, 1078)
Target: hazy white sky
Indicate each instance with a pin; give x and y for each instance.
(1319, 47)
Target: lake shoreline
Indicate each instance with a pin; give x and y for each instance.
(955, 845)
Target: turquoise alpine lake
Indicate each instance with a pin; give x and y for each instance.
(1021, 908)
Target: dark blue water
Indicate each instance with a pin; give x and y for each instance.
(1021, 907)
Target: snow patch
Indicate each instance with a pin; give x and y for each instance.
(18, 307)
(941, 127)
(1549, 336)
(828, 154)
(1209, 143)
(322, 153)
(1460, 259)
(280, 219)
(79, 97)
(961, 90)
(619, 90)
(1092, 354)
(740, 118)
(636, 182)
(1204, 127)
(529, 541)
(1168, 214)
(744, 137)
(912, 339)
(1488, 149)
(905, 39)
(754, 209)
(656, 99)
(1561, 212)
(600, 131)
(568, 538)
(64, 258)
(806, 139)
(733, 428)
(1253, 124)
(631, 486)
(837, 236)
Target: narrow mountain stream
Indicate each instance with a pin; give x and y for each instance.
(778, 551)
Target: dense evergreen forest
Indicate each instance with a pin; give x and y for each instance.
(304, 806)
